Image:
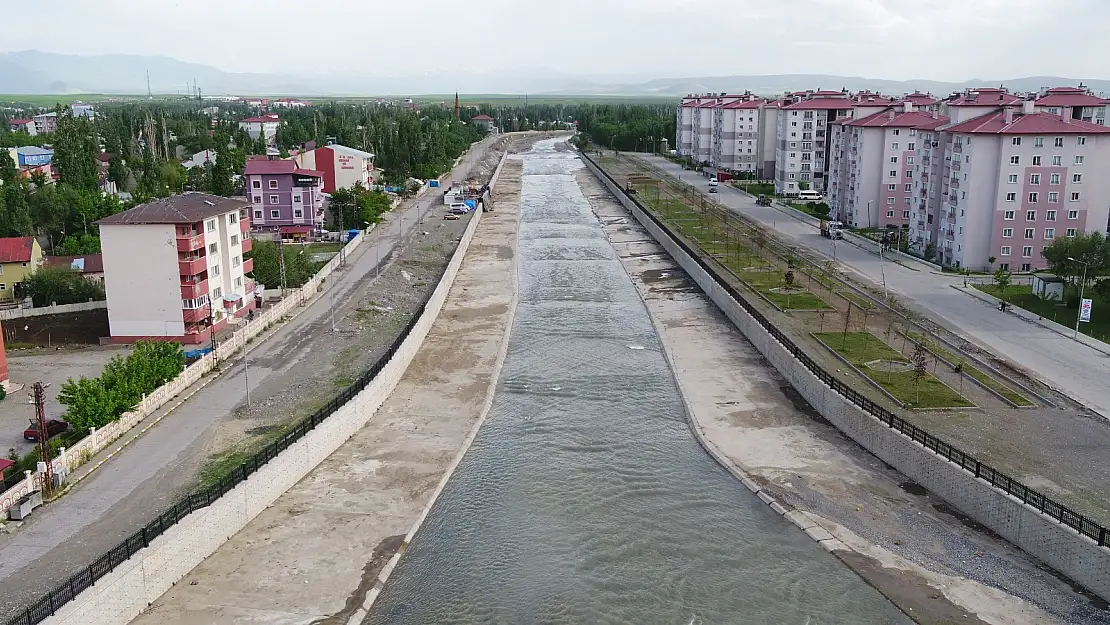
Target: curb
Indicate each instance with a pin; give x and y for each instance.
(487, 404)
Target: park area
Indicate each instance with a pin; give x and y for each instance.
(934, 379)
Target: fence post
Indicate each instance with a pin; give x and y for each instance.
(978, 465)
(1102, 537)
(146, 543)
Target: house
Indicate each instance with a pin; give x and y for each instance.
(342, 167)
(484, 121)
(46, 122)
(80, 109)
(33, 156)
(23, 125)
(90, 266)
(267, 124)
(192, 276)
(282, 195)
(19, 258)
(290, 103)
(200, 159)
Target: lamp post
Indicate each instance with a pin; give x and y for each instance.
(1082, 283)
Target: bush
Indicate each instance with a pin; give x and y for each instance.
(61, 285)
(96, 402)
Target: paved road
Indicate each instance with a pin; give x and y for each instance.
(1066, 365)
(136, 480)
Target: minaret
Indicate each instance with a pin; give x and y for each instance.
(456, 105)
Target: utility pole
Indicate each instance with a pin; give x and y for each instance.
(281, 266)
(43, 438)
(149, 94)
(212, 336)
(247, 377)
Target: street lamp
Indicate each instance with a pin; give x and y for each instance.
(1082, 283)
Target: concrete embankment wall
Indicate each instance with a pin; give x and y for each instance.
(1058, 546)
(118, 597)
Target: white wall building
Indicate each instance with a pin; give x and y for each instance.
(803, 149)
(174, 268)
(262, 124)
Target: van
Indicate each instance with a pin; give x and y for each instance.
(809, 196)
(713, 182)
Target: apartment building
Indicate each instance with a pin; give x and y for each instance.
(803, 149)
(174, 268)
(702, 136)
(1073, 102)
(282, 195)
(1016, 179)
(264, 124)
(874, 159)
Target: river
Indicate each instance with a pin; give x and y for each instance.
(585, 497)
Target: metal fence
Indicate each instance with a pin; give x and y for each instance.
(996, 478)
(105, 564)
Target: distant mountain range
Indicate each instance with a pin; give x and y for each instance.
(34, 72)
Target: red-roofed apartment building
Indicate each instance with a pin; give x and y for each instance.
(23, 125)
(485, 121)
(1074, 102)
(267, 124)
(802, 150)
(740, 139)
(284, 196)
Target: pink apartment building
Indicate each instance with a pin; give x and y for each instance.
(803, 146)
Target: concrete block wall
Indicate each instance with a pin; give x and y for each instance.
(1057, 545)
(118, 598)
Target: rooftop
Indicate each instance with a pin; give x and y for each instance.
(1027, 124)
(892, 118)
(482, 118)
(89, 263)
(820, 103)
(186, 208)
(21, 122)
(1070, 96)
(985, 97)
(282, 166)
(260, 119)
(33, 150)
(16, 249)
(342, 149)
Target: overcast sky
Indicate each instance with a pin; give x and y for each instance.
(896, 39)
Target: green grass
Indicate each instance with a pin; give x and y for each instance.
(1054, 310)
(860, 348)
(322, 248)
(984, 378)
(857, 299)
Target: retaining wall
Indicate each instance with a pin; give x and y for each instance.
(21, 313)
(1058, 546)
(119, 597)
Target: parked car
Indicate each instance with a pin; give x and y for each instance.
(54, 427)
(810, 196)
(713, 189)
(451, 217)
(459, 208)
(763, 200)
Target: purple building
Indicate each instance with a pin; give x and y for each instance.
(283, 196)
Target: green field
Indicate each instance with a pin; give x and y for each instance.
(985, 379)
(860, 348)
(1053, 310)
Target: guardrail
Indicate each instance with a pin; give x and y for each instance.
(1046, 505)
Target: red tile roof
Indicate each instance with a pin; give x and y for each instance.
(985, 97)
(821, 103)
(744, 104)
(884, 119)
(21, 122)
(1070, 96)
(483, 118)
(1027, 124)
(16, 249)
(283, 166)
(920, 99)
(104, 157)
(186, 208)
(260, 119)
(93, 263)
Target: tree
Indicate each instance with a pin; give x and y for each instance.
(78, 245)
(260, 145)
(1091, 254)
(75, 149)
(1002, 280)
(990, 261)
(8, 170)
(298, 267)
(61, 285)
(920, 361)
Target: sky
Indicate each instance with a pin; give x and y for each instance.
(951, 40)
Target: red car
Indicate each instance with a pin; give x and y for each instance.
(54, 427)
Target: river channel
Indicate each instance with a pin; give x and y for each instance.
(585, 497)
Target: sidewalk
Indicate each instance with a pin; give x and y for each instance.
(314, 556)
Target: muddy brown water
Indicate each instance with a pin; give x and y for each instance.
(585, 497)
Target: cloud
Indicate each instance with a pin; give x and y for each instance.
(938, 39)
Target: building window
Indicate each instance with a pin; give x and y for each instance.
(909, 188)
(235, 239)
(211, 226)
(274, 214)
(298, 213)
(909, 173)
(1073, 214)
(212, 248)
(1054, 179)
(890, 213)
(273, 184)
(258, 214)
(1080, 141)
(890, 201)
(1077, 178)
(1004, 266)
(1011, 197)
(1016, 141)
(893, 173)
(1030, 215)
(1007, 233)
(1038, 142)
(238, 283)
(256, 184)
(1015, 160)
(1005, 251)
(1033, 197)
(1079, 159)
(1027, 251)
(1012, 179)
(1029, 233)
(1057, 161)
(273, 199)
(913, 146)
(905, 214)
(233, 218)
(1009, 215)
(217, 293)
(214, 270)
(235, 261)
(258, 199)
(892, 187)
(1075, 196)
(1049, 234)
(1034, 179)
(894, 160)
(1037, 161)
(896, 133)
(1071, 232)
(894, 147)
(1058, 142)
(296, 198)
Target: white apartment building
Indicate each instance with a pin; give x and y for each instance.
(1017, 179)
(684, 126)
(803, 149)
(702, 135)
(174, 268)
(267, 124)
(1073, 102)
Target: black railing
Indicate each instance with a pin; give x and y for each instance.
(105, 564)
(981, 470)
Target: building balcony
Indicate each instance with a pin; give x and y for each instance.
(193, 266)
(248, 265)
(955, 184)
(196, 315)
(244, 224)
(955, 165)
(190, 243)
(247, 244)
(193, 290)
(957, 147)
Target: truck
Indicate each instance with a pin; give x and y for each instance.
(832, 229)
